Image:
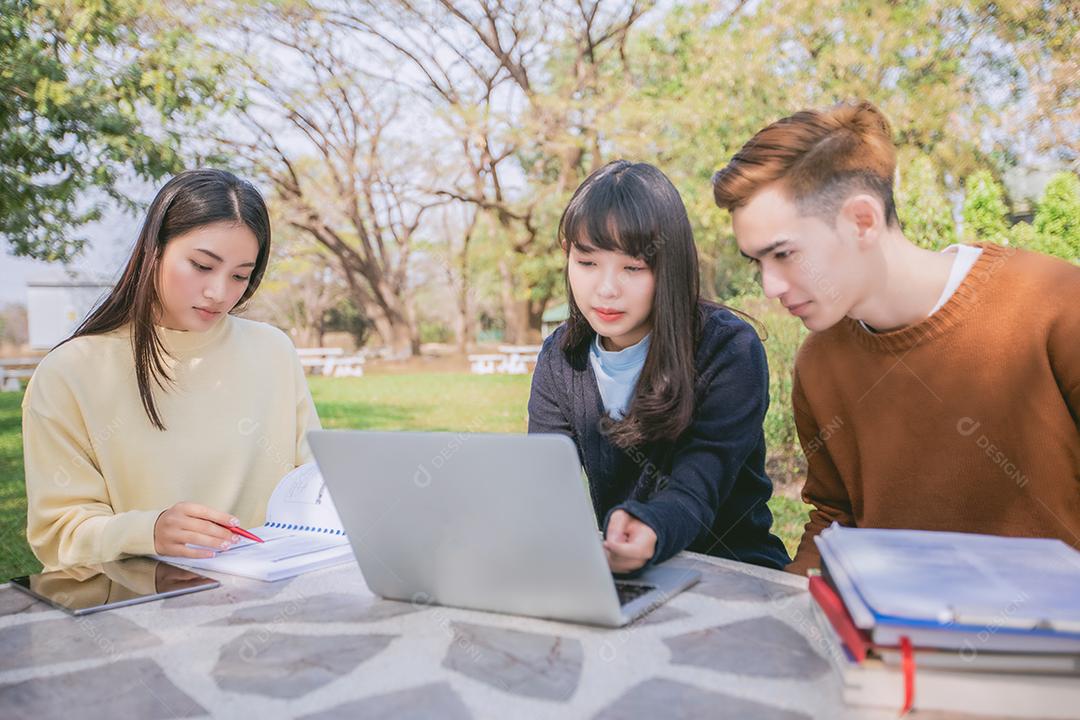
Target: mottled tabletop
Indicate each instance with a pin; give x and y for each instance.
(742, 643)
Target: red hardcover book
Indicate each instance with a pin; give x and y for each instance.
(856, 641)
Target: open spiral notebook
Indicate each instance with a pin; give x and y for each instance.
(302, 533)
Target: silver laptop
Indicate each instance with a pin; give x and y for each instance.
(489, 522)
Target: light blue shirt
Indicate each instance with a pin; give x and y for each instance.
(617, 373)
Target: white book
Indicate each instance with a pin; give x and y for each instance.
(990, 638)
(1023, 695)
(302, 533)
(1036, 663)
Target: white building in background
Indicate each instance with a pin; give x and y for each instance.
(55, 308)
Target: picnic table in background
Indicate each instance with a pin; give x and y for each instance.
(15, 370)
(509, 360)
(331, 362)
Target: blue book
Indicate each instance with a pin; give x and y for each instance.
(957, 590)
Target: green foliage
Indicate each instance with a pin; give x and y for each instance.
(789, 518)
(781, 334)
(88, 94)
(1056, 230)
(15, 555)
(921, 202)
(346, 317)
(1024, 235)
(1057, 217)
(433, 331)
(693, 106)
(984, 209)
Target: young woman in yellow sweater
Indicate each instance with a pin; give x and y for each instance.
(165, 417)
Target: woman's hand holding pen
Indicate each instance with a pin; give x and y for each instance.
(186, 524)
(629, 543)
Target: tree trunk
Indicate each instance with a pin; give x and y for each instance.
(462, 327)
(390, 314)
(524, 317)
(397, 335)
(395, 319)
(412, 326)
(536, 320)
(513, 310)
(382, 326)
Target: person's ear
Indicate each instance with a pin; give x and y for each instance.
(864, 214)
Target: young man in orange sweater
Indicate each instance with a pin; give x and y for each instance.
(937, 391)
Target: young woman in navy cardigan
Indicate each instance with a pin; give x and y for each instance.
(663, 394)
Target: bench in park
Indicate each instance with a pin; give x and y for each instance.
(14, 371)
(509, 360)
(331, 362)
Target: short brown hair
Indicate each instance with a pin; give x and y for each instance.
(822, 157)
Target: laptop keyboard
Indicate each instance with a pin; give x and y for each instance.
(628, 592)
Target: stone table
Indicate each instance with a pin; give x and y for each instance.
(740, 644)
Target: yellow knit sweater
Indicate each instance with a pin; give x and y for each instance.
(98, 473)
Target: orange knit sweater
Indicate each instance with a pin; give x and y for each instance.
(967, 421)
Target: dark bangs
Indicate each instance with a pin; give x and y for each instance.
(616, 214)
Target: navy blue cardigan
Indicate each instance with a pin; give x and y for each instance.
(705, 492)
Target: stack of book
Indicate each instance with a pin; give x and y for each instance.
(951, 621)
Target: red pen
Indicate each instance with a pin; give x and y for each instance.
(242, 532)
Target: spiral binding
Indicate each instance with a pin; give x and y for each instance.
(307, 528)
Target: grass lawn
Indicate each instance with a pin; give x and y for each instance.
(453, 402)
(15, 555)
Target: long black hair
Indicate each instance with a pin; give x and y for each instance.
(634, 209)
(191, 200)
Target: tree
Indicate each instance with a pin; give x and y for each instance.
(1057, 215)
(328, 133)
(449, 257)
(88, 94)
(365, 116)
(922, 205)
(303, 292)
(521, 88)
(346, 317)
(1040, 40)
(985, 213)
(710, 74)
(300, 289)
